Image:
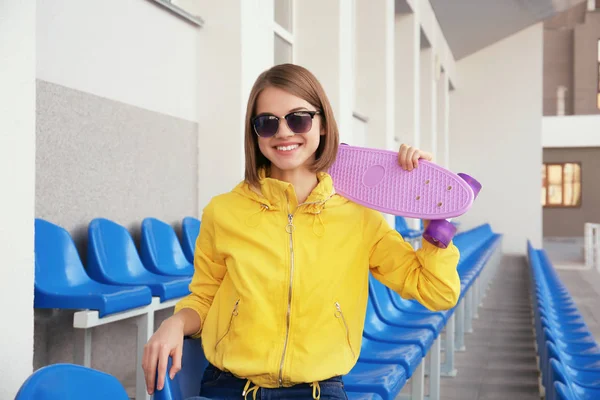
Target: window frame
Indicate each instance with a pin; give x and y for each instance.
(598, 75)
(284, 34)
(546, 185)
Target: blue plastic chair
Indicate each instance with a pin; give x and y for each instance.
(62, 282)
(363, 396)
(389, 314)
(161, 251)
(569, 355)
(68, 381)
(384, 380)
(190, 229)
(403, 229)
(409, 356)
(414, 307)
(187, 382)
(377, 330)
(113, 259)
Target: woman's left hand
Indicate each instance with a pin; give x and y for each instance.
(408, 157)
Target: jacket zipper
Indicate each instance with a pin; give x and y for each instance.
(340, 314)
(234, 313)
(289, 228)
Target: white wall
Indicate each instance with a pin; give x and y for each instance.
(133, 51)
(496, 124)
(17, 178)
(571, 131)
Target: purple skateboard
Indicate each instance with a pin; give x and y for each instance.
(374, 179)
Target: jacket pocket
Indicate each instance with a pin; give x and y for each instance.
(340, 315)
(234, 314)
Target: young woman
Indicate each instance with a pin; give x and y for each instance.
(282, 262)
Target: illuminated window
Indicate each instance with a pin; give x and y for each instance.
(561, 185)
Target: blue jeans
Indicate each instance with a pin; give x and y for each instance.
(219, 385)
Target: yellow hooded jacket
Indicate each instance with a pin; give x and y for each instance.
(281, 288)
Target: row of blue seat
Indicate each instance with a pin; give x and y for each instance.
(397, 336)
(569, 356)
(398, 333)
(117, 277)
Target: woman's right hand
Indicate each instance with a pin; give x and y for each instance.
(166, 341)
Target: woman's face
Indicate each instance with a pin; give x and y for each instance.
(286, 150)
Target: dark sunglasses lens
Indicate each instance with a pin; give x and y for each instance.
(299, 122)
(266, 125)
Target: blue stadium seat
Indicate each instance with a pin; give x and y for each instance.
(68, 381)
(113, 259)
(62, 282)
(382, 303)
(190, 229)
(161, 251)
(403, 229)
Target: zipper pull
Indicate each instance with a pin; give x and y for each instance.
(339, 310)
(289, 228)
(235, 313)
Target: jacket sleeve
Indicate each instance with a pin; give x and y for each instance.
(427, 275)
(209, 271)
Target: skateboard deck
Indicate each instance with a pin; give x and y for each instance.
(374, 178)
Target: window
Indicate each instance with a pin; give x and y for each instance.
(561, 185)
(283, 28)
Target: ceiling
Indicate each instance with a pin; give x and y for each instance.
(471, 25)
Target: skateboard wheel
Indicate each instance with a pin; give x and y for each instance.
(439, 232)
(473, 183)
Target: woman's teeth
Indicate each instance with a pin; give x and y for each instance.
(287, 148)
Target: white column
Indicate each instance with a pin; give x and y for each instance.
(375, 69)
(244, 29)
(17, 180)
(442, 156)
(407, 83)
(407, 79)
(428, 101)
(323, 44)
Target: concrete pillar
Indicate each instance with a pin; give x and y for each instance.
(323, 40)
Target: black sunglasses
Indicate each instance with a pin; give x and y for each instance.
(267, 125)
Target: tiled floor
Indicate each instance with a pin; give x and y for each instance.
(499, 362)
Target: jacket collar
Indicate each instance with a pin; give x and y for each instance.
(274, 194)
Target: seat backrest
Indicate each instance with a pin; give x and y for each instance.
(112, 255)
(190, 229)
(57, 263)
(378, 295)
(160, 247)
(68, 381)
(404, 304)
(469, 241)
(187, 382)
(562, 391)
(401, 225)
